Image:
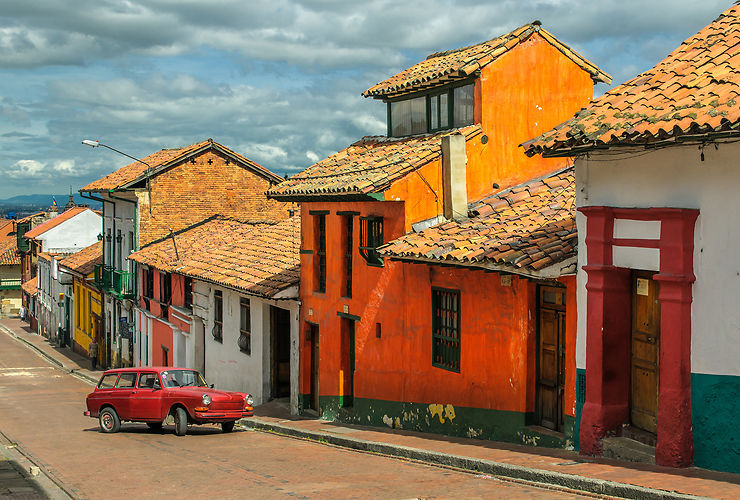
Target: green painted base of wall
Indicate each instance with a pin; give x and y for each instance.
(580, 400)
(494, 425)
(715, 402)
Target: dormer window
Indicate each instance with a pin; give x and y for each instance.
(437, 110)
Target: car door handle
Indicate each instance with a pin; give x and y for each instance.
(133, 392)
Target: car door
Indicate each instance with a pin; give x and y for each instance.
(147, 397)
(123, 392)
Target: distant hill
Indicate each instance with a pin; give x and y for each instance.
(30, 203)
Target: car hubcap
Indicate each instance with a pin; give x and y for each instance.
(107, 421)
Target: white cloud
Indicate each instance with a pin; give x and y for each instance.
(312, 157)
(26, 169)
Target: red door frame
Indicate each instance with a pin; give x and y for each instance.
(608, 330)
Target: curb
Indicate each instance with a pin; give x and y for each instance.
(569, 481)
(51, 359)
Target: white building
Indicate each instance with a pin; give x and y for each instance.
(658, 285)
(226, 303)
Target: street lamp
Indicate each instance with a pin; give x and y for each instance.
(95, 144)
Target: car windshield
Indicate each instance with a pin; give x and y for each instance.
(183, 378)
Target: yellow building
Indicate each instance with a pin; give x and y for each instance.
(86, 307)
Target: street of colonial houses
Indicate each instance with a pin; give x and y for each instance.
(41, 414)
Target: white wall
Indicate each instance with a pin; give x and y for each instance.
(72, 235)
(226, 365)
(676, 177)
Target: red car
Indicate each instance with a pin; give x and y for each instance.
(151, 394)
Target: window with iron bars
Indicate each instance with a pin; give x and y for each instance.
(218, 316)
(188, 292)
(446, 329)
(245, 327)
(371, 237)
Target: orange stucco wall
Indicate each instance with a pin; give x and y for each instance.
(526, 92)
(498, 325)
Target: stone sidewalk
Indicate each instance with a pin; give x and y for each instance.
(543, 465)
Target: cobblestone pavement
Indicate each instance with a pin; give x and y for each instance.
(41, 410)
(16, 484)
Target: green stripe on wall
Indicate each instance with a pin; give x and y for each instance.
(580, 400)
(715, 404)
(449, 420)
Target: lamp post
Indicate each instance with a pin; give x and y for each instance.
(95, 144)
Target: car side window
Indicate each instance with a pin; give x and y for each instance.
(107, 381)
(148, 381)
(126, 380)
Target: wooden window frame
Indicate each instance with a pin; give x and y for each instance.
(218, 316)
(320, 252)
(188, 290)
(349, 228)
(245, 327)
(371, 237)
(446, 337)
(431, 94)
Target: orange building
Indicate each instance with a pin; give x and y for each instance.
(420, 310)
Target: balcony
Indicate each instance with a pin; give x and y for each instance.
(123, 285)
(10, 283)
(103, 277)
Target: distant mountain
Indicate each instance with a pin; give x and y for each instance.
(29, 203)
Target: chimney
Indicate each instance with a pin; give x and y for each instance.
(454, 184)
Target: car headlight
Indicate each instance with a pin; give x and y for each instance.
(250, 400)
(206, 399)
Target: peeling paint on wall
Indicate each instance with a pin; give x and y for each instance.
(442, 412)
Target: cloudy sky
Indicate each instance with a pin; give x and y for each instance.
(278, 81)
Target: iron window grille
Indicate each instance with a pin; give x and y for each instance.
(446, 329)
(348, 257)
(245, 327)
(188, 292)
(371, 237)
(218, 316)
(320, 262)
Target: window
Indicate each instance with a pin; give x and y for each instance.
(371, 237)
(148, 283)
(320, 256)
(188, 292)
(348, 248)
(218, 316)
(441, 110)
(126, 381)
(462, 102)
(245, 326)
(107, 381)
(165, 287)
(148, 381)
(446, 329)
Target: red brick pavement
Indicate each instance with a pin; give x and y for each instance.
(692, 481)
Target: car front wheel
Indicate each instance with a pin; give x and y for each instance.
(109, 421)
(181, 422)
(227, 426)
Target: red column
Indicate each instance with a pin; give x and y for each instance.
(607, 354)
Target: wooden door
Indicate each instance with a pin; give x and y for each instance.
(645, 352)
(280, 352)
(348, 361)
(314, 332)
(551, 355)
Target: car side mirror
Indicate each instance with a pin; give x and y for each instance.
(211, 386)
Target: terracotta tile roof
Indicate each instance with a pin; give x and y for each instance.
(28, 218)
(51, 223)
(694, 91)
(9, 255)
(45, 256)
(523, 229)
(163, 159)
(370, 165)
(261, 258)
(30, 286)
(84, 261)
(443, 67)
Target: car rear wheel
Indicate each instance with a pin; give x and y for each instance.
(181, 422)
(227, 426)
(109, 421)
(155, 426)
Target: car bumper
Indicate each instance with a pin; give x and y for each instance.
(222, 415)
